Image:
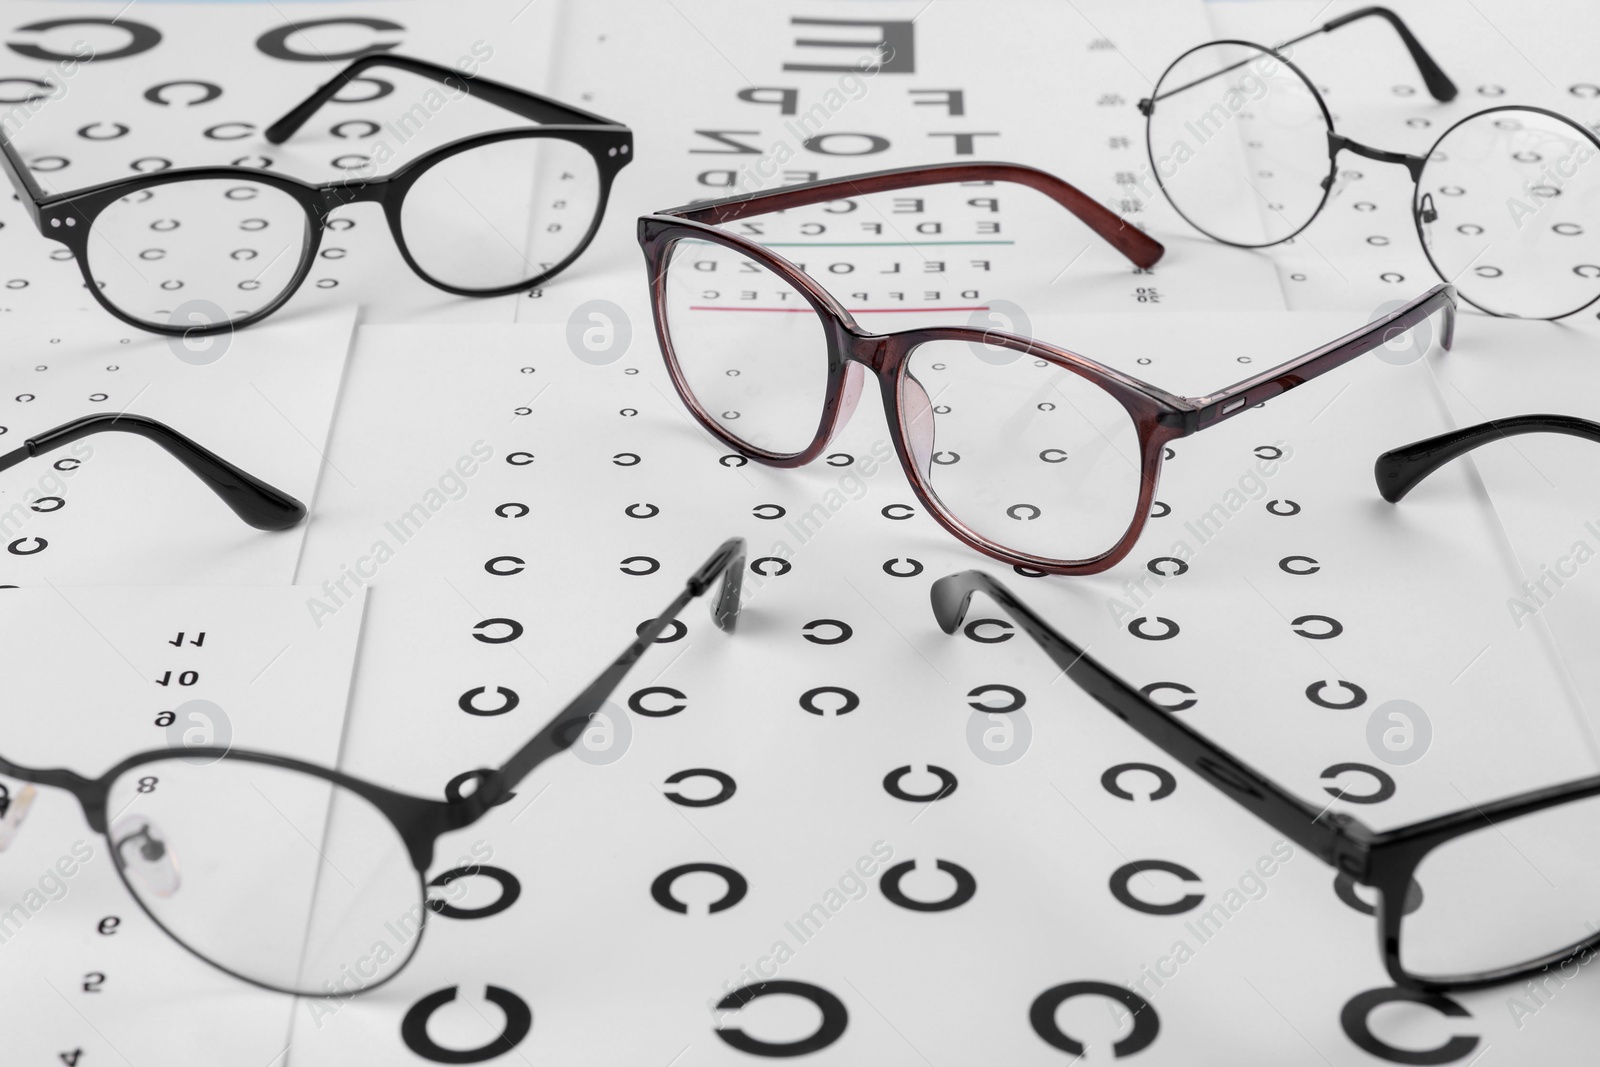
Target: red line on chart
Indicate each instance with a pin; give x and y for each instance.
(853, 311)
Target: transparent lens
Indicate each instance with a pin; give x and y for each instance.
(1506, 895)
(1027, 454)
(1511, 213)
(280, 877)
(752, 351)
(503, 213)
(1239, 142)
(198, 251)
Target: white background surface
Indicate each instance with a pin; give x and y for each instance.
(1421, 589)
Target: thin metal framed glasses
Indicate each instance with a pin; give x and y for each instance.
(200, 250)
(1027, 452)
(1506, 201)
(300, 878)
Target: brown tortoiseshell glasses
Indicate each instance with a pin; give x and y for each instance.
(1030, 453)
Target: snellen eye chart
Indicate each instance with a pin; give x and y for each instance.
(664, 531)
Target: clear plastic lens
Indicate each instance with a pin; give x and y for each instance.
(280, 877)
(752, 350)
(198, 251)
(503, 213)
(1506, 895)
(1510, 204)
(1239, 143)
(1022, 452)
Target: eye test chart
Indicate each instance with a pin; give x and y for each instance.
(835, 834)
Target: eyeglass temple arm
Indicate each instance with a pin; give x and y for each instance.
(568, 724)
(253, 500)
(1438, 83)
(1399, 470)
(1334, 837)
(517, 101)
(22, 180)
(1213, 408)
(1139, 247)
(1433, 75)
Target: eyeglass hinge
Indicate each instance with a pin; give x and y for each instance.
(1351, 853)
(1146, 107)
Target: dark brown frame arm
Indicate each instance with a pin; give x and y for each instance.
(568, 724)
(1333, 837)
(528, 105)
(1139, 247)
(22, 179)
(1238, 397)
(1399, 470)
(253, 500)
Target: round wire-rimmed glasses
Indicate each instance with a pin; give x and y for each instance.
(1027, 452)
(300, 878)
(1506, 202)
(201, 250)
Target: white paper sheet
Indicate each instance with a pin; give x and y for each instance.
(1040, 835)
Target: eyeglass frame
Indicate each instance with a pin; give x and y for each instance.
(419, 821)
(69, 217)
(256, 502)
(1440, 87)
(1159, 416)
(1383, 860)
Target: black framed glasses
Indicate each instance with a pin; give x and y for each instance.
(300, 878)
(1506, 203)
(253, 500)
(1484, 895)
(199, 250)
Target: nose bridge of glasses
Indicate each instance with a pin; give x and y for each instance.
(354, 191)
(1338, 143)
(13, 810)
(916, 413)
(854, 376)
(144, 851)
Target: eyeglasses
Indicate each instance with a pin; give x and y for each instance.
(300, 878)
(1478, 897)
(1027, 452)
(253, 500)
(199, 250)
(1399, 471)
(1506, 205)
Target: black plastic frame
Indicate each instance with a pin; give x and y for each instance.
(419, 821)
(68, 217)
(1399, 470)
(1386, 861)
(253, 500)
(1440, 87)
